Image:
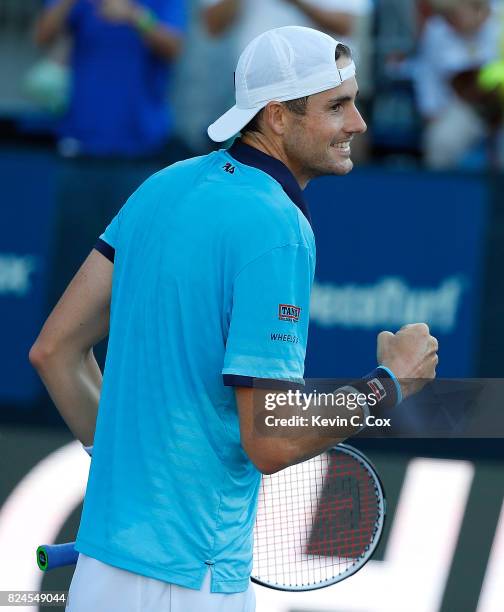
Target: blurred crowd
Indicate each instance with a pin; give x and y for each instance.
(459, 84)
(142, 80)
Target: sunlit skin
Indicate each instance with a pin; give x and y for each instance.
(468, 17)
(317, 143)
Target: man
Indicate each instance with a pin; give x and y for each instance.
(118, 126)
(336, 16)
(234, 23)
(458, 40)
(121, 62)
(200, 261)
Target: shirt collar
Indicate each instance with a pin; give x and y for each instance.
(275, 168)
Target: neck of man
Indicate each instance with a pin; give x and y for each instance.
(274, 149)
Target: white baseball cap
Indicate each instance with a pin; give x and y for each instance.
(281, 64)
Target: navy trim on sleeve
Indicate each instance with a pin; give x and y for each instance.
(105, 249)
(235, 380)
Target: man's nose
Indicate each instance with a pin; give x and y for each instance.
(356, 124)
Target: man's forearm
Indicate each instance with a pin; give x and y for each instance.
(282, 428)
(307, 436)
(74, 385)
(162, 40)
(52, 21)
(339, 23)
(219, 17)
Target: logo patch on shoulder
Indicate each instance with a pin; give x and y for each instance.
(288, 312)
(229, 168)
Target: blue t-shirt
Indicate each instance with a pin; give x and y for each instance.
(213, 266)
(118, 101)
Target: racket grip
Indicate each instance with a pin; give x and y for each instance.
(50, 556)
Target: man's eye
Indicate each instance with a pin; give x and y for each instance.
(337, 107)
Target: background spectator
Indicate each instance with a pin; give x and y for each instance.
(200, 94)
(460, 38)
(394, 123)
(118, 126)
(255, 16)
(120, 71)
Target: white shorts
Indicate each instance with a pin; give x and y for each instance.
(98, 587)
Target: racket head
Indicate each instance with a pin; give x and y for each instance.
(318, 522)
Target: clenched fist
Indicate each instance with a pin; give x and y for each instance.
(411, 354)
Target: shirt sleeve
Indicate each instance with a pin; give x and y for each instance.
(107, 242)
(269, 319)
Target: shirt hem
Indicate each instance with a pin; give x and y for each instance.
(188, 581)
(150, 571)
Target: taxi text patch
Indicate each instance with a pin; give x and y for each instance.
(288, 312)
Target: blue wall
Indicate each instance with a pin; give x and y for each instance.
(26, 223)
(396, 248)
(393, 248)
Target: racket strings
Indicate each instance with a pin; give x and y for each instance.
(315, 521)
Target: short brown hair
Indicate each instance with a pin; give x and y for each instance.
(297, 106)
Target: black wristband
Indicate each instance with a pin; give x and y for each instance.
(381, 388)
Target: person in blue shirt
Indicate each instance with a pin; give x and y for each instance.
(118, 127)
(202, 282)
(121, 62)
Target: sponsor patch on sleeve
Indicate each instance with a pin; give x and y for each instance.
(288, 312)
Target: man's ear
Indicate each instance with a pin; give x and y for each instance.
(274, 116)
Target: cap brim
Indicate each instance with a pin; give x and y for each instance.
(230, 123)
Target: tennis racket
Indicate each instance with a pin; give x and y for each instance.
(318, 522)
